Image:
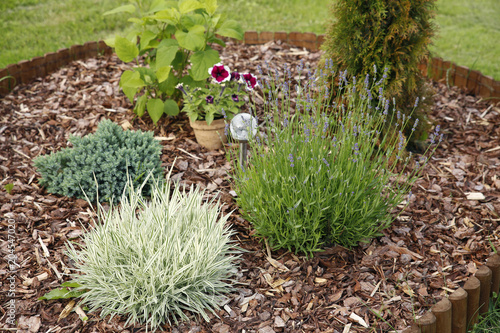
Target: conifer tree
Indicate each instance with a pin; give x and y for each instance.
(369, 35)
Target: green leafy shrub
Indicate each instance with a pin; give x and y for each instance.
(317, 174)
(171, 35)
(153, 260)
(366, 35)
(104, 159)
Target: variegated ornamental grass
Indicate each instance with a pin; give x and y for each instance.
(152, 259)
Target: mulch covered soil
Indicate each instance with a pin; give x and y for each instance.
(431, 248)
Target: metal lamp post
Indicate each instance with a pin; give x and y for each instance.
(242, 127)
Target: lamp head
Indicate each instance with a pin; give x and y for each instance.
(243, 126)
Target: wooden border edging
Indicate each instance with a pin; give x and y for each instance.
(459, 311)
(25, 71)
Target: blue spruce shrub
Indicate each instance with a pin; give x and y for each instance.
(107, 158)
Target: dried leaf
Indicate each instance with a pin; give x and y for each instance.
(67, 309)
(30, 324)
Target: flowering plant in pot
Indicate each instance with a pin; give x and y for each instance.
(219, 100)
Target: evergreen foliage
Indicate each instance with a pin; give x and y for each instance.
(104, 158)
(369, 35)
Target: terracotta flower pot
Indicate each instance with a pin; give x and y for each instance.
(211, 137)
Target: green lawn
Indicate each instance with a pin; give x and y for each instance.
(468, 31)
(469, 34)
(32, 28)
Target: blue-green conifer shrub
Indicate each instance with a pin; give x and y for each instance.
(97, 166)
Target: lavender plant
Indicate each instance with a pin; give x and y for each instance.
(153, 260)
(317, 173)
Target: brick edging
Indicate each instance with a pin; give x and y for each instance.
(25, 71)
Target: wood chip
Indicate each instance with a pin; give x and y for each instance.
(375, 289)
(188, 153)
(347, 328)
(279, 322)
(81, 313)
(492, 149)
(358, 319)
(46, 252)
(164, 138)
(277, 264)
(28, 281)
(319, 280)
(475, 196)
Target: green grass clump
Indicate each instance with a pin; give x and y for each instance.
(317, 175)
(153, 260)
(490, 322)
(104, 159)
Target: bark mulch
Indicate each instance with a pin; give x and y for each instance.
(431, 248)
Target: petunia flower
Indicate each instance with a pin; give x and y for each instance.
(220, 73)
(180, 86)
(250, 80)
(222, 89)
(235, 97)
(210, 99)
(235, 76)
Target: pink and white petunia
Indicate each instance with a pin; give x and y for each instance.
(250, 81)
(220, 73)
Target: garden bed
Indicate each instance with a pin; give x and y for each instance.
(433, 246)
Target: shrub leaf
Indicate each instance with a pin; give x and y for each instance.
(125, 49)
